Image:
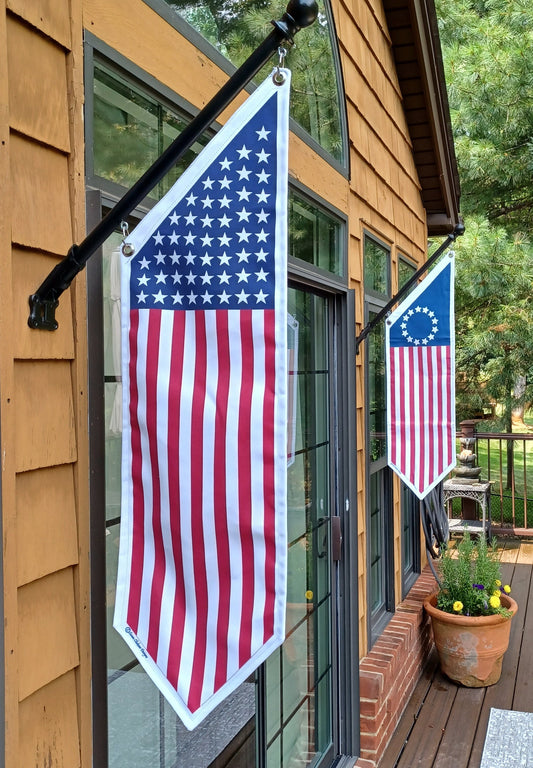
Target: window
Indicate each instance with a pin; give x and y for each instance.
(284, 715)
(379, 484)
(410, 504)
(236, 28)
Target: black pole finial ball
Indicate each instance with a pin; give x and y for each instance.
(304, 12)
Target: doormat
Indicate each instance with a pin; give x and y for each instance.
(509, 740)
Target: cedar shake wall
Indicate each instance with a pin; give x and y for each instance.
(384, 200)
(42, 385)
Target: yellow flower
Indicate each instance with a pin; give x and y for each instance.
(496, 593)
(309, 594)
(494, 601)
(458, 606)
(498, 583)
(507, 589)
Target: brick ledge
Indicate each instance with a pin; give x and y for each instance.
(391, 670)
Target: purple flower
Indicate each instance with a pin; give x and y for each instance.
(478, 586)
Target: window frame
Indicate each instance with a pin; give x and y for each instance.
(377, 620)
(183, 27)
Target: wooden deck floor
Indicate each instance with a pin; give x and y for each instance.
(444, 725)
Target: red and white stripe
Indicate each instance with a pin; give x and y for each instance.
(421, 413)
(205, 536)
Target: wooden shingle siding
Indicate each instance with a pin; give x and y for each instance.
(43, 391)
(47, 539)
(49, 729)
(385, 200)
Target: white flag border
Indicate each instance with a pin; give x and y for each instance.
(137, 239)
(391, 319)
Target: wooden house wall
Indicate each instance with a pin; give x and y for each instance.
(44, 438)
(42, 385)
(384, 200)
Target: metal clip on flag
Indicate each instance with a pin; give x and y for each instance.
(420, 352)
(202, 567)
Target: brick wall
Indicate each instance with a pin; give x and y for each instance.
(390, 672)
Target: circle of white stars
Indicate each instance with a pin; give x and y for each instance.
(432, 327)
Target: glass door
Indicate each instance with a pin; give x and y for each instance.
(299, 677)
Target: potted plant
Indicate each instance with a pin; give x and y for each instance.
(471, 613)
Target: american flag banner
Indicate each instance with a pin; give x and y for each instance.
(420, 352)
(202, 566)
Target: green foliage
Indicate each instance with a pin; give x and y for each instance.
(471, 579)
(488, 55)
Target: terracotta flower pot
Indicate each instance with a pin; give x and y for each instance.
(471, 648)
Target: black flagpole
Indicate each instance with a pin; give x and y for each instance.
(43, 303)
(457, 232)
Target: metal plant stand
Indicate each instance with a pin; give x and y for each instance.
(479, 492)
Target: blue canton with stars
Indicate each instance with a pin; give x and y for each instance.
(426, 322)
(215, 250)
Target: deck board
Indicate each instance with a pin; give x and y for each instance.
(444, 725)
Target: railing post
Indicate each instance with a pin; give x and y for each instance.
(469, 507)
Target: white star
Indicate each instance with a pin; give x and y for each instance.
(243, 152)
(224, 297)
(158, 237)
(191, 277)
(262, 156)
(190, 219)
(144, 263)
(243, 255)
(262, 134)
(141, 297)
(206, 221)
(224, 201)
(244, 194)
(206, 278)
(262, 217)
(263, 177)
(224, 240)
(261, 236)
(207, 202)
(223, 258)
(176, 277)
(224, 221)
(261, 255)
(190, 238)
(263, 196)
(174, 218)
(224, 278)
(192, 298)
(143, 280)
(243, 214)
(160, 257)
(177, 298)
(175, 257)
(206, 241)
(243, 276)
(161, 277)
(242, 297)
(159, 297)
(225, 164)
(207, 297)
(190, 257)
(418, 308)
(208, 183)
(206, 260)
(243, 235)
(244, 173)
(261, 275)
(261, 297)
(191, 200)
(224, 183)
(173, 238)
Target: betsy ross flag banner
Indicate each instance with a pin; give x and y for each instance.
(202, 567)
(420, 350)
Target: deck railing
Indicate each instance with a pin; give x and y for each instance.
(507, 463)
